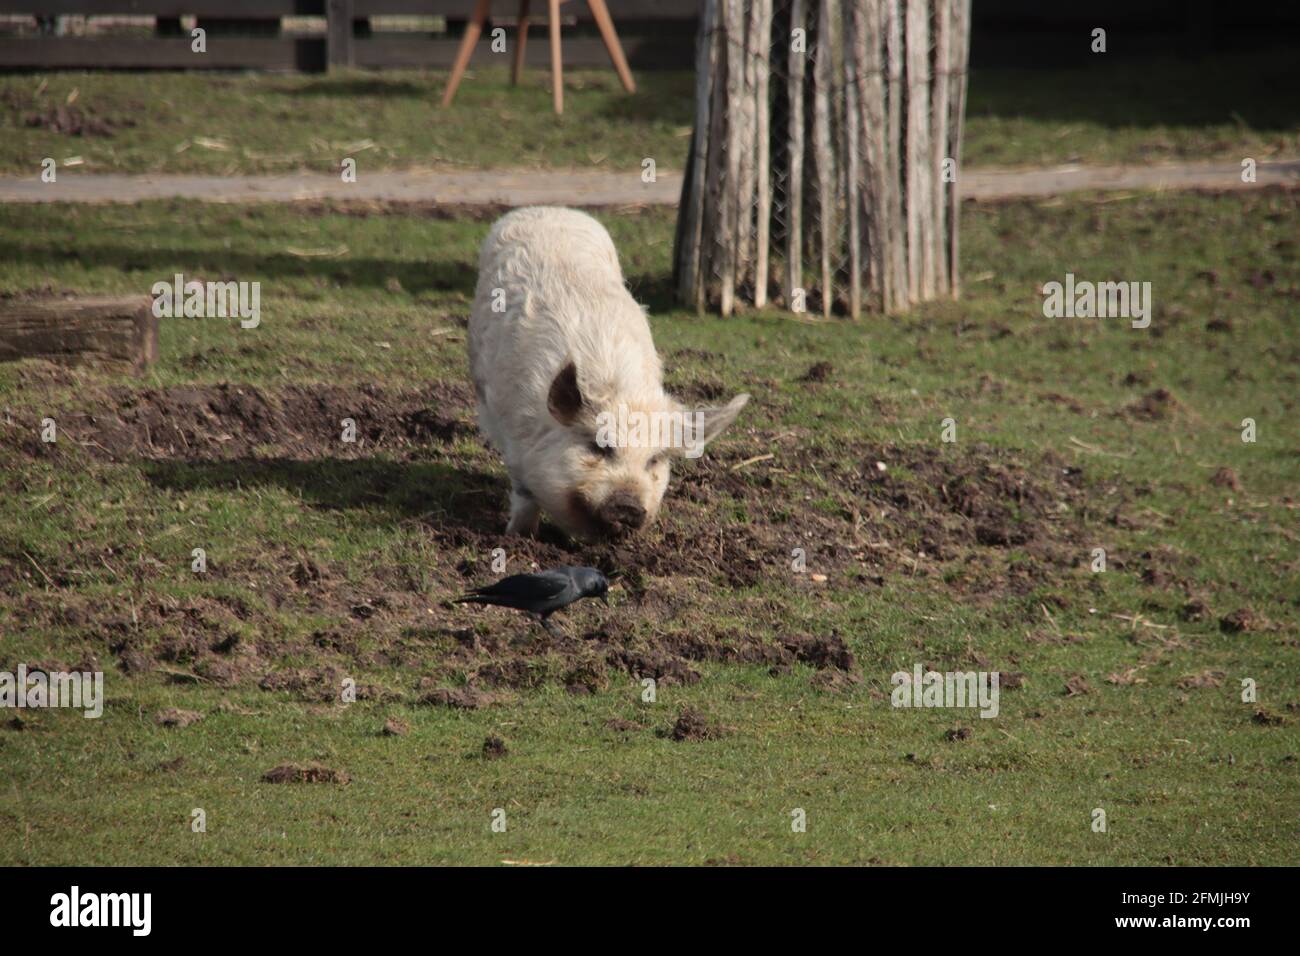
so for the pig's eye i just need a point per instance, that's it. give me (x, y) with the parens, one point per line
(601, 451)
(656, 461)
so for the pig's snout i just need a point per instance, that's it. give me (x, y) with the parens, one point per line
(622, 513)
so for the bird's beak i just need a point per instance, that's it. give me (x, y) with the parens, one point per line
(604, 599)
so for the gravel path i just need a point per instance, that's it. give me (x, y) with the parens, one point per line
(573, 187)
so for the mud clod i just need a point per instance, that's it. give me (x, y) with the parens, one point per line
(1206, 678)
(494, 748)
(1226, 478)
(305, 773)
(1077, 685)
(834, 682)
(1157, 406)
(1239, 621)
(623, 726)
(393, 727)
(73, 121)
(175, 717)
(692, 725)
(818, 372)
(463, 698)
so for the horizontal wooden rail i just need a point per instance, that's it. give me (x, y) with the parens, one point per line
(255, 9)
(309, 53)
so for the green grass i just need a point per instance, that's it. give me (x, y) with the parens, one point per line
(1186, 775)
(1113, 111)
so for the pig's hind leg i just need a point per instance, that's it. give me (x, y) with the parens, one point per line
(524, 512)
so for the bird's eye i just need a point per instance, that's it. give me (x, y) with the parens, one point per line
(601, 451)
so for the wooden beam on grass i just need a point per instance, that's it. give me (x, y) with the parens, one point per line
(119, 331)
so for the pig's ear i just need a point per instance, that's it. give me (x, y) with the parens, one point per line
(717, 419)
(564, 401)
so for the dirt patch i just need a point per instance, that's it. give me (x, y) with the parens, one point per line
(1077, 685)
(1240, 621)
(321, 685)
(305, 773)
(393, 727)
(1157, 406)
(462, 698)
(74, 121)
(1226, 478)
(1266, 718)
(226, 422)
(834, 682)
(692, 725)
(983, 523)
(1206, 678)
(817, 372)
(175, 717)
(623, 726)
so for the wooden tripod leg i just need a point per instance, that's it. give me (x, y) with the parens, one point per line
(473, 30)
(557, 64)
(521, 41)
(607, 33)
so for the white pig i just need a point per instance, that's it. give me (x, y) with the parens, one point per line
(558, 350)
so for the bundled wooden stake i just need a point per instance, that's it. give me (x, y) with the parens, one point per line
(794, 152)
(868, 103)
(763, 148)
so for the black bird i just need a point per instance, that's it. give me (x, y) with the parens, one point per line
(542, 594)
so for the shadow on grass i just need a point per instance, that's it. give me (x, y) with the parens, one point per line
(1255, 91)
(345, 86)
(444, 496)
(161, 262)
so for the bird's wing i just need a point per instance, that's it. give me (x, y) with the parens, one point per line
(527, 588)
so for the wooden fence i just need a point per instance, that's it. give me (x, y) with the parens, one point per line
(824, 156)
(247, 34)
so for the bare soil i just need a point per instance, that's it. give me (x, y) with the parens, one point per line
(980, 522)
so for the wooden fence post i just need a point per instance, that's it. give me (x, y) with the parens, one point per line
(863, 147)
(341, 48)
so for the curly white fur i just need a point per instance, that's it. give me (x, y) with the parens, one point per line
(550, 294)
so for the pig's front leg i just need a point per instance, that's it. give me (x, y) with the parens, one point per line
(524, 512)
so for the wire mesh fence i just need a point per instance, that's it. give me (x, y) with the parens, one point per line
(824, 157)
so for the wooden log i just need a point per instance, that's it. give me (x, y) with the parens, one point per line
(895, 228)
(823, 155)
(868, 63)
(763, 147)
(795, 140)
(690, 218)
(113, 331)
(958, 64)
(920, 255)
(939, 148)
(745, 114)
(854, 187)
(734, 31)
(716, 162)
